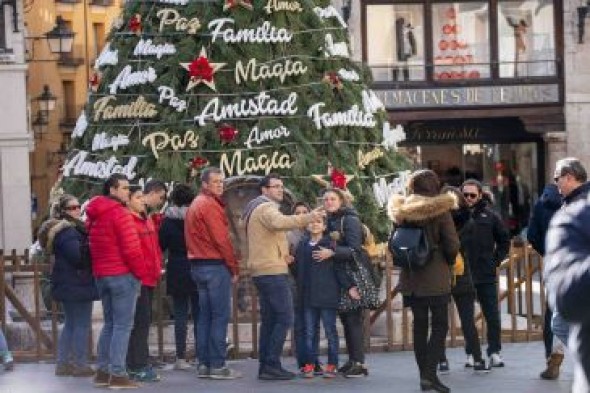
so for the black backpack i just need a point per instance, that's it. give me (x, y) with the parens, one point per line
(410, 247)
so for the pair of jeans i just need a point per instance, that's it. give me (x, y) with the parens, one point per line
(276, 317)
(181, 310)
(560, 327)
(353, 324)
(487, 296)
(138, 351)
(299, 333)
(73, 341)
(429, 350)
(465, 303)
(3, 345)
(118, 295)
(547, 332)
(312, 317)
(214, 286)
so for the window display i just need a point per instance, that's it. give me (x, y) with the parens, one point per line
(460, 33)
(526, 39)
(395, 38)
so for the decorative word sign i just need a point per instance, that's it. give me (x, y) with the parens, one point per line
(107, 57)
(264, 163)
(264, 34)
(335, 49)
(384, 191)
(259, 105)
(173, 2)
(148, 48)
(127, 78)
(138, 109)
(167, 94)
(281, 70)
(78, 166)
(353, 117)
(371, 102)
(103, 141)
(330, 12)
(81, 125)
(282, 5)
(365, 159)
(347, 75)
(391, 137)
(160, 140)
(169, 16)
(256, 136)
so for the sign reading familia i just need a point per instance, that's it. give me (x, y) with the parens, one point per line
(469, 96)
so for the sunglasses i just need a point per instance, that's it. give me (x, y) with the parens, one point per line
(470, 195)
(73, 207)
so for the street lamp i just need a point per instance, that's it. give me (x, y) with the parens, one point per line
(60, 38)
(46, 101)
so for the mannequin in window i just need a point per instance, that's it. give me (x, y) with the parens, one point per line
(406, 47)
(520, 29)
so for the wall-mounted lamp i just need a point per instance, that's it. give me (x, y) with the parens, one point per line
(60, 40)
(582, 14)
(46, 101)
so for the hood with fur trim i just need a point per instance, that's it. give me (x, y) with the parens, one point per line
(49, 229)
(418, 208)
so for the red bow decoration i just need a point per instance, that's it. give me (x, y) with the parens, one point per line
(338, 179)
(333, 79)
(201, 69)
(94, 81)
(196, 164)
(230, 4)
(227, 133)
(135, 24)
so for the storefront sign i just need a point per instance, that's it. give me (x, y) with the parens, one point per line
(469, 96)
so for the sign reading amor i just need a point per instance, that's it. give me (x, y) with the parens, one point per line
(469, 96)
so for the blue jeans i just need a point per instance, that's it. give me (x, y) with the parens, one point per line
(3, 344)
(560, 327)
(214, 285)
(181, 307)
(73, 341)
(118, 295)
(276, 317)
(299, 333)
(312, 316)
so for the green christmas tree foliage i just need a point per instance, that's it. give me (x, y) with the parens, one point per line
(250, 86)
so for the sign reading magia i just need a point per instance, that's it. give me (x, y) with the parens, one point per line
(469, 96)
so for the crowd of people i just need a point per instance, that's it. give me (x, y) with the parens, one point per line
(305, 267)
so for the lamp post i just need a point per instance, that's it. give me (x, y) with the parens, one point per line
(46, 101)
(60, 40)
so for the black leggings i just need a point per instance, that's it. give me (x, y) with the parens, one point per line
(428, 350)
(352, 321)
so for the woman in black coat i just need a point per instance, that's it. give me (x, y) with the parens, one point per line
(72, 283)
(179, 284)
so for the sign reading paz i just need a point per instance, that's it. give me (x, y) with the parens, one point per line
(158, 141)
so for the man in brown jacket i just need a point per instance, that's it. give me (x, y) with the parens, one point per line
(268, 259)
(213, 268)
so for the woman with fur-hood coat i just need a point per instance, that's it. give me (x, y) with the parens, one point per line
(427, 291)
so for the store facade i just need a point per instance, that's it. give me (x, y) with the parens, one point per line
(478, 87)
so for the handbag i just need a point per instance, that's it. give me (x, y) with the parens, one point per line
(359, 269)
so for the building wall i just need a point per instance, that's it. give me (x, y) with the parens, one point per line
(69, 82)
(15, 207)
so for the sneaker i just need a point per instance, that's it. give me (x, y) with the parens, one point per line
(101, 378)
(63, 370)
(496, 360)
(224, 373)
(182, 364)
(202, 371)
(8, 361)
(146, 374)
(356, 370)
(307, 371)
(82, 371)
(318, 369)
(121, 382)
(481, 366)
(330, 371)
(443, 367)
(275, 374)
(469, 362)
(345, 367)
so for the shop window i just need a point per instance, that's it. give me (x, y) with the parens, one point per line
(526, 38)
(461, 45)
(395, 42)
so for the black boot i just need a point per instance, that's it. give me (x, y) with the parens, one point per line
(433, 383)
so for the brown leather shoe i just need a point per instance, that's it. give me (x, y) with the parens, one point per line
(84, 371)
(63, 370)
(101, 379)
(553, 364)
(122, 383)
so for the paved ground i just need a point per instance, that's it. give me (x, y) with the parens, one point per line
(389, 372)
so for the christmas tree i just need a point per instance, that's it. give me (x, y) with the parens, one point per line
(249, 86)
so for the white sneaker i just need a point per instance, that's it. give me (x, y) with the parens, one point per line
(469, 362)
(182, 364)
(496, 360)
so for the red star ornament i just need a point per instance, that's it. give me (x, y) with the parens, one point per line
(333, 80)
(94, 82)
(197, 164)
(227, 133)
(135, 24)
(230, 4)
(201, 70)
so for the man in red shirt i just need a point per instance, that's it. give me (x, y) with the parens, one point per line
(213, 268)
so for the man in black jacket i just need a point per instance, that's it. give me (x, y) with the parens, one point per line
(485, 242)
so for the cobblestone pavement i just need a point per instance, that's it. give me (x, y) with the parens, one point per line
(389, 372)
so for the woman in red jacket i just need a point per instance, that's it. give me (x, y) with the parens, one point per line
(138, 350)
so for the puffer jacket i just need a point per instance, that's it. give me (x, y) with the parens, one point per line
(114, 243)
(432, 214)
(150, 248)
(549, 202)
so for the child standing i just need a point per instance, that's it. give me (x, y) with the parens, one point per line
(320, 285)
(5, 355)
